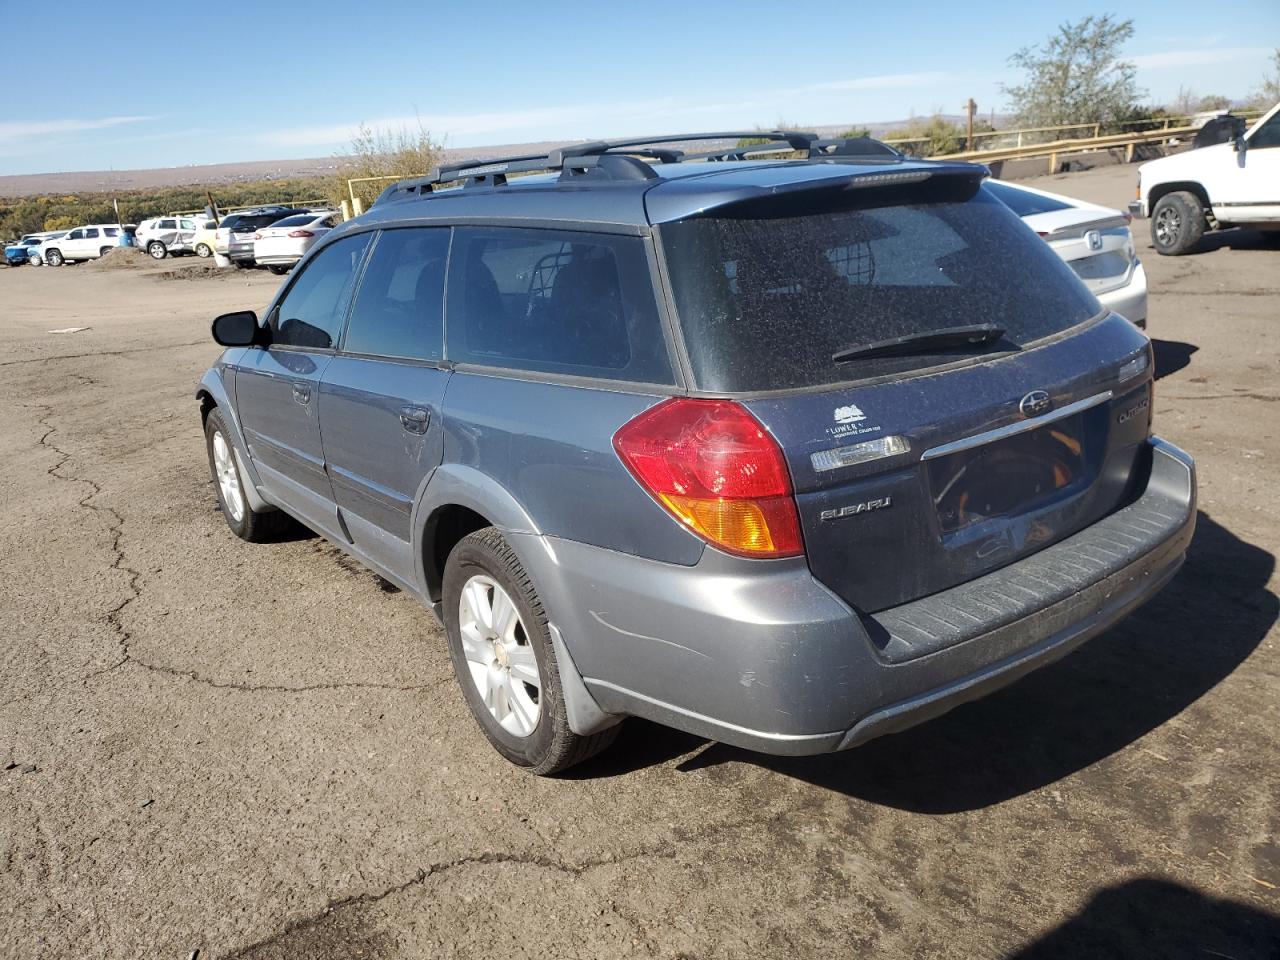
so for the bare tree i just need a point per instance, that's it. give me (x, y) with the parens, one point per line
(402, 154)
(1076, 76)
(1268, 93)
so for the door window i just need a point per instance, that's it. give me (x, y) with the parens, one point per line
(111, 231)
(91, 233)
(557, 302)
(399, 311)
(312, 311)
(165, 225)
(76, 235)
(1267, 135)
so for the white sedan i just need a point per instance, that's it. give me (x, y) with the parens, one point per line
(1094, 241)
(281, 245)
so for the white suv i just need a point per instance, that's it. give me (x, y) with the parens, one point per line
(83, 243)
(1225, 185)
(165, 235)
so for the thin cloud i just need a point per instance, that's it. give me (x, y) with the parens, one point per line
(1192, 58)
(888, 81)
(12, 132)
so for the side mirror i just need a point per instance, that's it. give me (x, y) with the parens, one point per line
(239, 329)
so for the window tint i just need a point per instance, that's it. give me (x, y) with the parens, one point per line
(399, 311)
(555, 302)
(1267, 135)
(166, 225)
(91, 233)
(111, 231)
(1022, 202)
(768, 293)
(296, 220)
(76, 235)
(311, 313)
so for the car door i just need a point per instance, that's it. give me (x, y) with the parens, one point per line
(276, 387)
(381, 396)
(186, 234)
(1253, 190)
(91, 243)
(72, 245)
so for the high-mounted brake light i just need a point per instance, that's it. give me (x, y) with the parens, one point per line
(715, 469)
(301, 233)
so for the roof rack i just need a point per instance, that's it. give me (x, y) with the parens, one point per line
(595, 159)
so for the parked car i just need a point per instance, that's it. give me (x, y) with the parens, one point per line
(785, 453)
(205, 239)
(1229, 184)
(235, 234)
(19, 252)
(281, 245)
(85, 243)
(35, 254)
(1094, 241)
(162, 236)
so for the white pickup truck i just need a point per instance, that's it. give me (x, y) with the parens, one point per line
(1233, 184)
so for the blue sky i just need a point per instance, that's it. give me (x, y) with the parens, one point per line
(147, 84)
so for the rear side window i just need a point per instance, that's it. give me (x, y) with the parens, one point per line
(311, 313)
(768, 294)
(111, 231)
(555, 302)
(166, 225)
(296, 220)
(399, 311)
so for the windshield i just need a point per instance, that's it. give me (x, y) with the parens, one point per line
(770, 293)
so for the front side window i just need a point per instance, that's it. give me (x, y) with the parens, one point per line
(311, 313)
(399, 311)
(555, 302)
(188, 225)
(1267, 135)
(76, 235)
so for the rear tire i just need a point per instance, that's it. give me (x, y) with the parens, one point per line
(203, 251)
(1177, 223)
(245, 522)
(277, 269)
(157, 250)
(103, 251)
(521, 707)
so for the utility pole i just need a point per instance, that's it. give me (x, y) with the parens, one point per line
(970, 107)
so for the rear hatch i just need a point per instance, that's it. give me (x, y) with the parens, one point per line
(922, 464)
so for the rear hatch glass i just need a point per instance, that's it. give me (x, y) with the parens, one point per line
(823, 272)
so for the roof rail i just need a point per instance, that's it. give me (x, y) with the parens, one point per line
(572, 160)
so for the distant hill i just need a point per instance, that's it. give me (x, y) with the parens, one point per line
(255, 171)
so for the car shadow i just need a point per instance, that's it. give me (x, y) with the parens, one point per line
(1054, 722)
(1154, 918)
(1171, 356)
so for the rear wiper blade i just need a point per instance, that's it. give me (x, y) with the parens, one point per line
(977, 334)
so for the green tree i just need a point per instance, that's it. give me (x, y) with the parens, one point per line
(1076, 75)
(853, 133)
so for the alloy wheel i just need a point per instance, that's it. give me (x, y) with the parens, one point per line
(499, 656)
(1168, 226)
(228, 479)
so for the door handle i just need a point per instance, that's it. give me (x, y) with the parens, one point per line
(301, 393)
(415, 419)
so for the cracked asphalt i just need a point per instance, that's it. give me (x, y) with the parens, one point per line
(260, 752)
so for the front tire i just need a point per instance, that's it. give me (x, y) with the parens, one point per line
(157, 250)
(1177, 223)
(504, 659)
(203, 251)
(245, 522)
(277, 269)
(54, 258)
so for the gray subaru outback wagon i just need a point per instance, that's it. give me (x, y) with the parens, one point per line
(788, 446)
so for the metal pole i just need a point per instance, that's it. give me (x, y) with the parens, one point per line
(970, 107)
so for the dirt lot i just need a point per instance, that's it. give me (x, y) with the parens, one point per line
(259, 751)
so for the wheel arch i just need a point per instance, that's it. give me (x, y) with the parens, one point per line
(212, 394)
(1176, 186)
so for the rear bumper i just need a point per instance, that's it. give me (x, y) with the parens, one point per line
(761, 655)
(1130, 301)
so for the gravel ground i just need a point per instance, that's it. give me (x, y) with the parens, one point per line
(259, 751)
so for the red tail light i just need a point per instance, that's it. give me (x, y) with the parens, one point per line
(301, 233)
(715, 469)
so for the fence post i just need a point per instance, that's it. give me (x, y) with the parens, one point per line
(357, 206)
(1019, 139)
(346, 210)
(1053, 163)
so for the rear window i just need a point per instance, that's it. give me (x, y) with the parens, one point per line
(1022, 202)
(296, 220)
(555, 302)
(768, 293)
